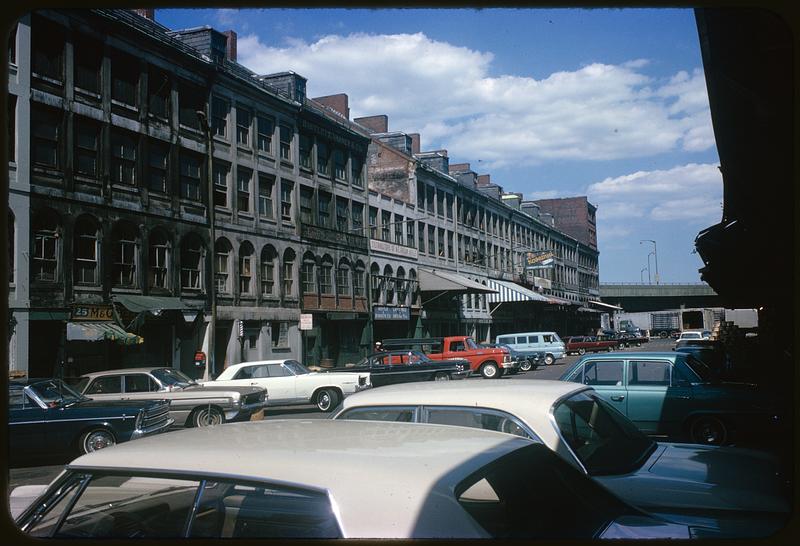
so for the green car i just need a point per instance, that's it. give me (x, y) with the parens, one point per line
(675, 395)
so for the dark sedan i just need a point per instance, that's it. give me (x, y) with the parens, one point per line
(391, 367)
(48, 419)
(525, 362)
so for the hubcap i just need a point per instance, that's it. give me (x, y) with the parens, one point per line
(489, 371)
(98, 440)
(324, 401)
(442, 377)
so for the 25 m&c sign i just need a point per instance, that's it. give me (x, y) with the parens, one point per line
(92, 312)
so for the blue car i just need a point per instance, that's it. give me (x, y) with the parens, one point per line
(47, 419)
(675, 395)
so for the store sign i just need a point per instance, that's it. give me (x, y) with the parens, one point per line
(380, 312)
(92, 312)
(540, 259)
(341, 316)
(306, 321)
(377, 245)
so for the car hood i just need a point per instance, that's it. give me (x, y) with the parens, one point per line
(215, 390)
(688, 476)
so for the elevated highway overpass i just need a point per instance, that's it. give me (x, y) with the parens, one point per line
(655, 297)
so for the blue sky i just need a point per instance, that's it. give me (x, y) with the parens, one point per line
(607, 103)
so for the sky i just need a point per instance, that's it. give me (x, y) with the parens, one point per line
(607, 103)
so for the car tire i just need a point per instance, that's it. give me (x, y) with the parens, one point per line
(490, 370)
(549, 360)
(326, 400)
(581, 351)
(207, 416)
(525, 366)
(708, 430)
(95, 439)
(663, 335)
(441, 376)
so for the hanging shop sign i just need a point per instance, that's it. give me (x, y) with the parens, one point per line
(91, 312)
(380, 312)
(539, 259)
(306, 321)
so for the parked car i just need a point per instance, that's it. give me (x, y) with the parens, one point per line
(490, 363)
(727, 367)
(674, 394)
(46, 418)
(527, 361)
(289, 382)
(583, 344)
(631, 338)
(694, 334)
(529, 342)
(388, 367)
(312, 479)
(735, 491)
(191, 404)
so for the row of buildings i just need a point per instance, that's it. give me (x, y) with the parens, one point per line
(156, 186)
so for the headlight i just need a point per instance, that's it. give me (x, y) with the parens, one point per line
(506, 357)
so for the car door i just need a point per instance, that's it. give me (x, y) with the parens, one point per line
(138, 386)
(283, 383)
(657, 399)
(607, 377)
(27, 424)
(105, 387)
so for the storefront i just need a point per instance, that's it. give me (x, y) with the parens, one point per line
(336, 338)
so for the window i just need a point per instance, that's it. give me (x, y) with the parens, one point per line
(449, 206)
(324, 209)
(323, 158)
(286, 142)
(398, 229)
(410, 233)
(12, 128)
(221, 172)
(649, 373)
(190, 100)
(429, 197)
(358, 280)
(243, 120)
(325, 272)
(373, 222)
(420, 195)
(402, 287)
(266, 128)
(222, 266)
(159, 260)
(124, 79)
(220, 110)
(45, 247)
(440, 202)
(244, 178)
(12, 44)
(357, 171)
(157, 173)
(602, 372)
(305, 143)
(88, 56)
(386, 221)
(286, 200)
(123, 158)
(431, 240)
(246, 269)
(191, 263)
(45, 137)
(343, 280)
(340, 164)
(421, 237)
(268, 256)
(342, 213)
(399, 415)
(47, 45)
(140, 383)
(306, 205)
(190, 176)
(159, 88)
(376, 282)
(288, 272)
(87, 141)
(307, 279)
(86, 252)
(441, 242)
(11, 239)
(358, 218)
(450, 236)
(111, 384)
(125, 253)
(280, 337)
(478, 418)
(265, 206)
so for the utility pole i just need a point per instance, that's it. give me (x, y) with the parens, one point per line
(212, 286)
(655, 253)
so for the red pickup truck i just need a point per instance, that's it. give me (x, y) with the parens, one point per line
(582, 344)
(489, 362)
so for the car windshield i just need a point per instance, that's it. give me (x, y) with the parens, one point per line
(55, 391)
(172, 378)
(699, 367)
(296, 368)
(470, 343)
(604, 440)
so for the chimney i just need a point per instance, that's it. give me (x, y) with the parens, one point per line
(484, 179)
(230, 46)
(147, 13)
(338, 103)
(376, 124)
(459, 168)
(414, 143)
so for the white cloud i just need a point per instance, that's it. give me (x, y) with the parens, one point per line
(595, 112)
(544, 194)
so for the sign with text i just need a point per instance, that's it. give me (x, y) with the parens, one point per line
(92, 312)
(306, 321)
(539, 259)
(380, 312)
(392, 248)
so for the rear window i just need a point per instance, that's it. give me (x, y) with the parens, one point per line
(397, 414)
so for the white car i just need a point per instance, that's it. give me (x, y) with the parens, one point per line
(739, 492)
(312, 479)
(289, 382)
(693, 334)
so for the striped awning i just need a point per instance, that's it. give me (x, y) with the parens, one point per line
(99, 331)
(436, 280)
(508, 291)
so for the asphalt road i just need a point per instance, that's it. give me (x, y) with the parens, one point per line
(37, 475)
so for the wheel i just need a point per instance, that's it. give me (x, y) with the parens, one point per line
(662, 335)
(623, 345)
(441, 376)
(525, 366)
(609, 349)
(207, 416)
(490, 370)
(327, 399)
(548, 360)
(95, 439)
(708, 430)
(581, 351)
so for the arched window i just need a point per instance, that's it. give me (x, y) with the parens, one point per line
(376, 282)
(125, 254)
(343, 279)
(159, 260)
(388, 276)
(268, 256)
(358, 279)
(223, 256)
(326, 275)
(192, 252)
(412, 286)
(402, 287)
(246, 284)
(87, 250)
(288, 272)
(307, 279)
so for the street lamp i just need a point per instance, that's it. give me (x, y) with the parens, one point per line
(212, 286)
(641, 274)
(655, 253)
(648, 268)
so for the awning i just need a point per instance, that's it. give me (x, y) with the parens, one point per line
(510, 291)
(555, 300)
(587, 310)
(432, 280)
(155, 304)
(99, 331)
(601, 304)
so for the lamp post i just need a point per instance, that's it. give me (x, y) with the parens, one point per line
(212, 287)
(641, 274)
(649, 280)
(655, 253)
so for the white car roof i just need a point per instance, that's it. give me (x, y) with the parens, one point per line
(392, 480)
(528, 400)
(145, 369)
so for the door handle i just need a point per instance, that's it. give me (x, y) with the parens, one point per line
(618, 397)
